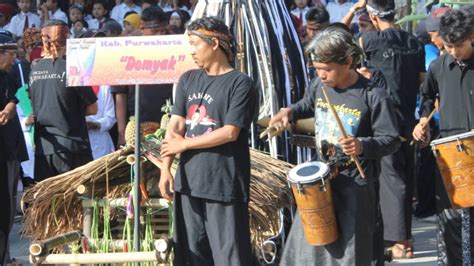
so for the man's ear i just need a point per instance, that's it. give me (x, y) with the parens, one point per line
(215, 43)
(349, 61)
(374, 19)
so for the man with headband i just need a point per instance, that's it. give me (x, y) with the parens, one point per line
(209, 127)
(368, 116)
(61, 137)
(400, 58)
(8, 103)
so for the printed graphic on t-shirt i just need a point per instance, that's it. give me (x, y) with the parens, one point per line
(198, 121)
(328, 133)
(46, 75)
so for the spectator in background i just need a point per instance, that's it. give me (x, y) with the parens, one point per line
(111, 28)
(131, 25)
(50, 11)
(317, 19)
(300, 10)
(99, 11)
(178, 19)
(76, 13)
(6, 12)
(98, 125)
(24, 19)
(119, 11)
(78, 28)
(148, 3)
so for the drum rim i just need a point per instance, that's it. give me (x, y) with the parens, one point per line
(452, 138)
(296, 168)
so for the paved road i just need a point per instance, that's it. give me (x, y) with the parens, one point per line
(423, 233)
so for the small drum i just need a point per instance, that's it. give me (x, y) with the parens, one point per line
(312, 190)
(455, 159)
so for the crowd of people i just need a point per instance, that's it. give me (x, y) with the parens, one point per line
(355, 53)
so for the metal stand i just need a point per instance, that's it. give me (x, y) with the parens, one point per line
(136, 185)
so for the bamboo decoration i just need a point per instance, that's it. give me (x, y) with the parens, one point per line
(41, 248)
(343, 131)
(98, 258)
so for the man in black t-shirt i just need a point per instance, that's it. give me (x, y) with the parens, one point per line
(400, 58)
(451, 76)
(209, 127)
(368, 116)
(152, 97)
(61, 138)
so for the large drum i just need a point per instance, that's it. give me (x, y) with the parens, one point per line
(312, 190)
(455, 159)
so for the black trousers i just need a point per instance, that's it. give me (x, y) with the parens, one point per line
(396, 193)
(209, 232)
(54, 164)
(449, 228)
(5, 211)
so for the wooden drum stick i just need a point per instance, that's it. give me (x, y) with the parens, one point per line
(343, 131)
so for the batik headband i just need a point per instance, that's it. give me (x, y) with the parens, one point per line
(54, 38)
(224, 40)
(379, 13)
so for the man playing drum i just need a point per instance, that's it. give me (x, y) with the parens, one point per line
(368, 117)
(452, 77)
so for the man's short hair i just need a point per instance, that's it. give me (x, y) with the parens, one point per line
(318, 14)
(334, 45)
(456, 25)
(384, 9)
(210, 24)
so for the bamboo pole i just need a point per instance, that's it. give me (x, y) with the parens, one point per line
(96, 258)
(343, 131)
(39, 248)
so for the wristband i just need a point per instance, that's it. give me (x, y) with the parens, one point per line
(352, 10)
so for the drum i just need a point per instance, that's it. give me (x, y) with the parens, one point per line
(312, 190)
(455, 159)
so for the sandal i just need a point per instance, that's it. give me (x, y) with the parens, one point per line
(406, 253)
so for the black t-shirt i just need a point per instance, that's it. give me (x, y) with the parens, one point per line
(220, 173)
(454, 82)
(401, 58)
(365, 112)
(59, 111)
(153, 97)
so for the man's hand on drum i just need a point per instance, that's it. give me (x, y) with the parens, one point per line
(351, 145)
(281, 119)
(421, 132)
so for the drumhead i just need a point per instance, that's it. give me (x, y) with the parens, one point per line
(453, 138)
(308, 172)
